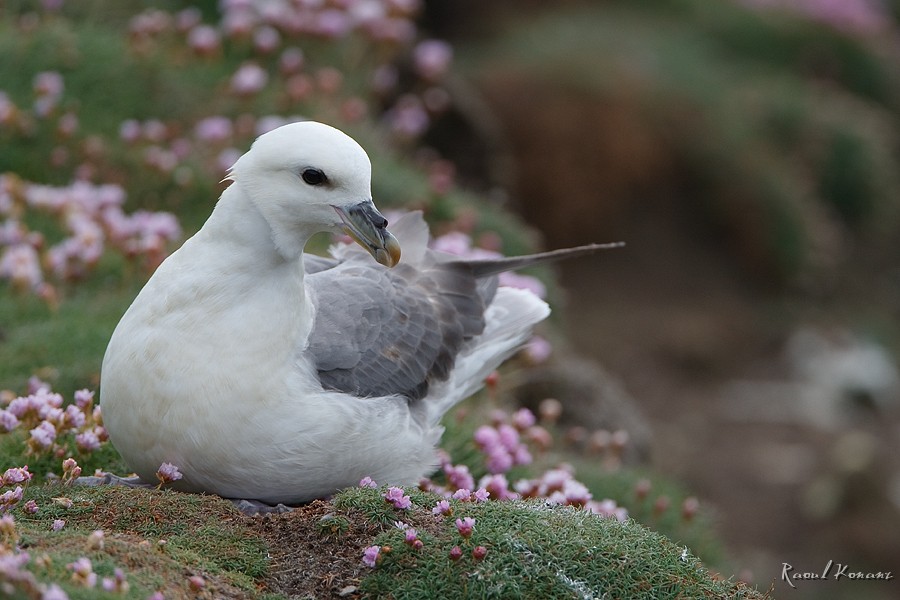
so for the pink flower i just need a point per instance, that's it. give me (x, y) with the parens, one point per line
(249, 79)
(432, 58)
(395, 496)
(481, 495)
(540, 437)
(266, 39)
(204, 40)
(331, 23)
(508, 437)
(71, 470)
(291, 60)
(8, 527)
(523, 418)
(10, 498)
(8, 421)
(462, 494)
(22, 266)
(154, 130)
(87, 441)
(538, 349)
(168, 473)
(486, 437)
(83, 572)
(48, 83)
(384, 79)
(84, 398)
(30, 507)
(479, 552)
(689, 508)
(576, 493)
(498, 460)
(116, 583)
(442, 508)
(410, 536)
(455, 553)
(130, 131)
(54, 592)
(465, 526)
(459, 476)
(57, 524)
(367, 482)
(96, 540)
(16, 475)
(214, 129)
(498, 486)
(187, 18)
(408, 118)
(609, 509)
(44, 434)
(73, 418)
(371, 556)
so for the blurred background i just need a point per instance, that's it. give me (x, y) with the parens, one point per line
(746, 151)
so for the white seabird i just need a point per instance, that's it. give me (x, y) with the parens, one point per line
(265, 374)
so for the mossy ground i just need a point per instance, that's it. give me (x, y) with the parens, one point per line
(160, 538)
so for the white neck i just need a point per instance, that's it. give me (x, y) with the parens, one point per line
(241, 261)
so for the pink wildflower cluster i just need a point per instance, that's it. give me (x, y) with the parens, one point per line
(94, 220)
(13, 477)
(49, 424)
(502, 443)
(559, 486)
(83, 572)
(14, 571)
(273, 32)
(852, 16)
(398, 498)
(71, 471)
(16, 578)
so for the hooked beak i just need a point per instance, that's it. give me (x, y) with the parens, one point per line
(368, 228)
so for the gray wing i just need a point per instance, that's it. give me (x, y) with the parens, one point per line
(313, 263)
(379, 332)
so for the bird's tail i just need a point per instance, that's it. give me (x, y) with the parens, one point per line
(493, 266)
(509, 321)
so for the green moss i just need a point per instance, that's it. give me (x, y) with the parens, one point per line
(156, 537)
(533, 551)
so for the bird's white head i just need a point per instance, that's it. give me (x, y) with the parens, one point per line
(309, 177)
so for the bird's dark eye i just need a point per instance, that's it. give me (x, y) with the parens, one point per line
(313, 176)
